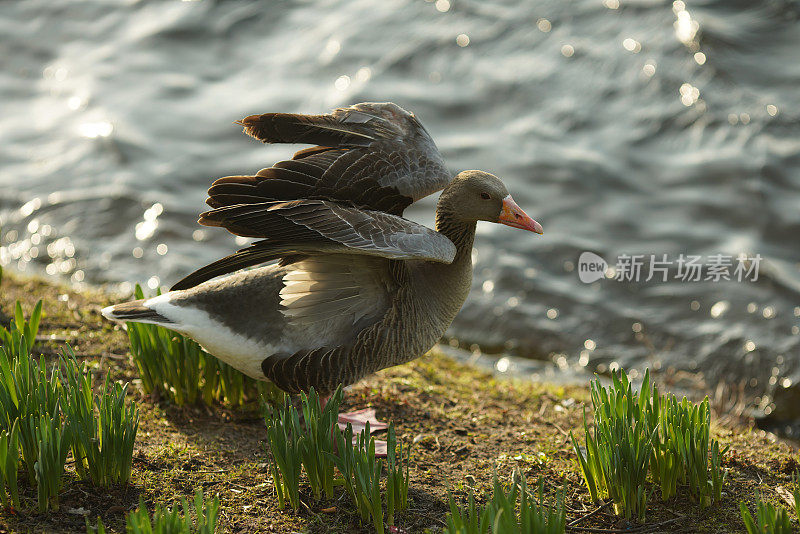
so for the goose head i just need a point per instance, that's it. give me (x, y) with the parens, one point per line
(479, 196)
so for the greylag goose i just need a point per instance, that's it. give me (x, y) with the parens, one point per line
(352, 286)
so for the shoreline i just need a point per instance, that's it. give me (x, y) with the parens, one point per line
(736, 401)
(464, 424)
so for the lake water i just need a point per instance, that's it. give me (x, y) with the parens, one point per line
(625, 127)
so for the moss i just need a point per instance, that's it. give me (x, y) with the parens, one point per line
(464, 425)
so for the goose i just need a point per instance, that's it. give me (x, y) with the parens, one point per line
(345, 286)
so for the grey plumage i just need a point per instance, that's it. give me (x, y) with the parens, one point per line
(357, 288)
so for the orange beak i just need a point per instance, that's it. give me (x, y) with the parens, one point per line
(512, 215)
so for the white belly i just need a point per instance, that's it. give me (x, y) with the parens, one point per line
(233, 348)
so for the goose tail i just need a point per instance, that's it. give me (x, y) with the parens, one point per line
(136, 311)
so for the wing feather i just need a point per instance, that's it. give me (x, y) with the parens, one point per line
(315, 227)
(353, 287)
(343, 196)
(373, 155)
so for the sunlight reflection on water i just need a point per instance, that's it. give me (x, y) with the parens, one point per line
(643, 128)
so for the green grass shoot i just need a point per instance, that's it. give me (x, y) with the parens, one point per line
(367, 474)
(470, 520)
(170, 520)
(45, 412)
(618, 449)
(103, 426)
(318, 438)
(9, 464)
(283, 438)
(361, 472)
(637, 433)
(30, 395)
(27, 393)
(500, 513)
(19, 337)
(53, 448)
(769, 519)
(685, 453)
(361, 475)
(318, 447)
(396, 480)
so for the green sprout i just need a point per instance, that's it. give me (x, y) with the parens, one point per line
(283, 438)
(361, 474)
(44, 413)
(684, 451)
(500, 515)
(769, 519)
(646, 432)
(170, 520)
(317, 439)
(27, 393)
(103, 427)
(471, 520)
(396, 480)
(53, 447)
(19, 337)
(319, 447)
(9, 464)
(617, 453)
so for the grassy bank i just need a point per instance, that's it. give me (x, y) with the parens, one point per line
(463, 425)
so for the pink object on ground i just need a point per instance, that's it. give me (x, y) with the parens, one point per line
(358, 420)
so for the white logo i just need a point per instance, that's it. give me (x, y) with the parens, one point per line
(591, 267)
(659, 267)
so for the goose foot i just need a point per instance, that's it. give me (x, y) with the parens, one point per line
(358, 420)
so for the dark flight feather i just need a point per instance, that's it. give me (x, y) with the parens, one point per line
(371, 156)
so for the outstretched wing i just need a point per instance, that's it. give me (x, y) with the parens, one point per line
(315, 227)
(375, 156)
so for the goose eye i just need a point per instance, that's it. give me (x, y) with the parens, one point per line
(485, 196)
